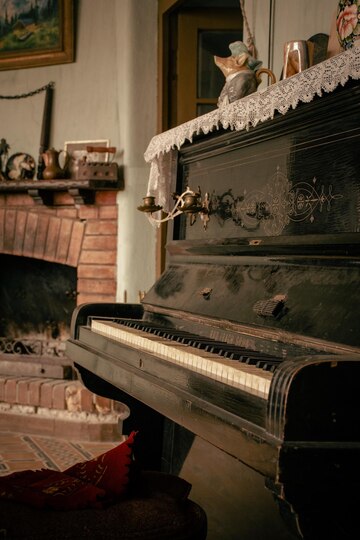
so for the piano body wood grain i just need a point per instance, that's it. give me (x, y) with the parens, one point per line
(281, 257)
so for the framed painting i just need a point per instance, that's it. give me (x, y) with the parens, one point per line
(36, 33)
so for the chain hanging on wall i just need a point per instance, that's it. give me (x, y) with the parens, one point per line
(45, 128)
(32, 93)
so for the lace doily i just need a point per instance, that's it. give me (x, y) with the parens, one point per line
(246, 112)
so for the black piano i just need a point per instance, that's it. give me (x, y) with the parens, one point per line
(241, 365)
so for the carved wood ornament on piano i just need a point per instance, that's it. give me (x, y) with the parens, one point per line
(241, 364)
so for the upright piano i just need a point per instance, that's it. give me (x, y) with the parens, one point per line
(241, 366)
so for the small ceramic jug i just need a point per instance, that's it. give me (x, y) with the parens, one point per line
(53, 170)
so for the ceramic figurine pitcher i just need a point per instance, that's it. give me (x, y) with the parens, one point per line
(53, 170)
(242, 73)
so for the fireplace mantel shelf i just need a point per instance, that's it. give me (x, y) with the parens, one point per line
(42, 191)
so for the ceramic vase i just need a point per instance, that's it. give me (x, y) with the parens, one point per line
(348, 23)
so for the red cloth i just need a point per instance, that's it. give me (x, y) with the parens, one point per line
(90, 484)
(51, 489)
(109, 471)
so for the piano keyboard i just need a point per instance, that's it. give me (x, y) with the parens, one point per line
(235, 366)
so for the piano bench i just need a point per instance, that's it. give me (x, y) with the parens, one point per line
(157, 508)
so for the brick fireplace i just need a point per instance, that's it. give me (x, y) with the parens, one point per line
(83, 236)
(71, 226)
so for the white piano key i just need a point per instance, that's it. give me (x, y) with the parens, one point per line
(230, 372)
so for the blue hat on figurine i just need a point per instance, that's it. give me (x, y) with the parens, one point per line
(239, 47)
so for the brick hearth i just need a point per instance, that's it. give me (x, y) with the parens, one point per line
(58, 408)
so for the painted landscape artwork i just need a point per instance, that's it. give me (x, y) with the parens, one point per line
(29, 25)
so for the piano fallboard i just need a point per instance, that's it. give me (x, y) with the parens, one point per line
(282, 288)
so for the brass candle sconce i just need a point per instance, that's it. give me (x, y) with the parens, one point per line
(189, 203)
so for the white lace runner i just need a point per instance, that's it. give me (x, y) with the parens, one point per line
(246, 112)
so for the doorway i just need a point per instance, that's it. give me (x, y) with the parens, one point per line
(191, 32)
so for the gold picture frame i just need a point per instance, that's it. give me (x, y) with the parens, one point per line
(34, 37)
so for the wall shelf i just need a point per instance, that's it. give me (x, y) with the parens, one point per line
(42, 191)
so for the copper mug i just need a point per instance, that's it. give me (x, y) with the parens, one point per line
(297, 57)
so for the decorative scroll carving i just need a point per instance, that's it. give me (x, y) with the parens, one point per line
(274, 206)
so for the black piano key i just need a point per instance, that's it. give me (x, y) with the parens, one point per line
(205, 344)
(269, 365)
(232, 352)
(260, 360)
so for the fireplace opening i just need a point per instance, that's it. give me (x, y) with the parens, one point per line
(37, 299)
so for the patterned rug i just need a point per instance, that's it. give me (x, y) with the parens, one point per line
(20, 452)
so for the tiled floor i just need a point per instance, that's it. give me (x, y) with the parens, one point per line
(21, 452)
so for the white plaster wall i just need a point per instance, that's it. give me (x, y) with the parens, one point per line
(109, 92)
(137, 49)
(274, 22)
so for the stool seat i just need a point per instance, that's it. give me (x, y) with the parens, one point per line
(156, 508)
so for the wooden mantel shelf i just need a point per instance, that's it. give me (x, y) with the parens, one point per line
(42, 191)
